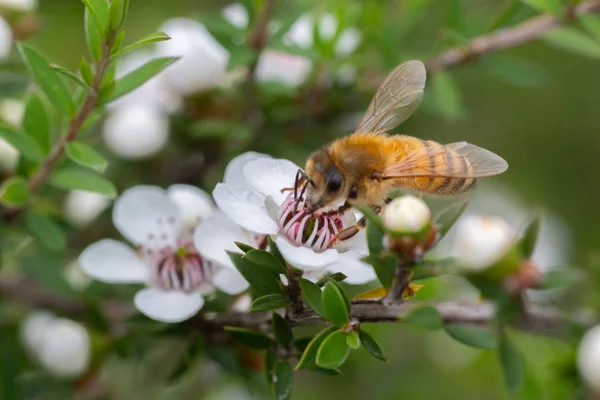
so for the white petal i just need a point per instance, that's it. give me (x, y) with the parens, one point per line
(269, 176)
(301, 32)
(215, 235)
(357, 243)
(194, 203)
(171, 306)
(277, 66)
(245, 208)
(230, 281)
(65, 351)
(32, 329)
(12, 110)
(234, 173)
(143, 211)
(9, 156)
(82, 207)
(357, 271)
(236, 15)
(305, 258)
(6, 39)
(19, 5)
(347, 42)
(113, 262)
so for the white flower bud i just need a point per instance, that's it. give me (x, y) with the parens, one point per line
(33, 328)
(78, 279)
(19, 5)
(406, 214)
(136, 131)
(82, 207)
(481, 241)
(9, 156)
(588, 359)
(236, 15)
(12, 111)
(6, 39)
(277, 66)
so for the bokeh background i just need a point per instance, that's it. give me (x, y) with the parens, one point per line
(535, 105)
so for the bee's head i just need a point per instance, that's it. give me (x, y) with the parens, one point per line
(326, 183)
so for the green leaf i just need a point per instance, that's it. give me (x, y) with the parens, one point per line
(214, 128)
(240, 56)
(284, 381)
(471, 336)
(118, 12)
(371, 345)
(93, 34)
(44, 270)
(248, 337)
(75, 179)
(36, 121)
(512, 363)
(310, 353)
(338, 277)
(374, 238)
(574, 41)
(427, 318)
(312, 294)
(561, 278)
(117, 43)
(134, 79)
(516, 71)
(282, 330)
(545, 6)
(353, 340)
(14, 192)
(275, 250)
(448, 217)
(269, 302)
(447, 97)
(370, 215)
(333, 351)
(384, 266)
(528, 241)
(266, 260)
(46, 231)
(244, 247)
(91, 7)
(21, 141)
(65, 72)
(261, 280)
(49, 82)
(334, 305)
(591, 23)
(86, 72)
(152, 38)
(84, 155)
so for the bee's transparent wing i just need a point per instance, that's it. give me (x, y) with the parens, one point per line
(454, 160)
(396, 99)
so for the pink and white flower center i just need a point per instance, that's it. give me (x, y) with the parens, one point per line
(307, 229)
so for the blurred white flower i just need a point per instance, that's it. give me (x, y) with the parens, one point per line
(82, 207)
(406, 214)
(177, 275)
(6, 39)
(59, 345)
(12, 111)
(277, 66)
(204, 60)
(136, 131)
(19, 5)
(242, 303)
(481, 241)
(9, 156)
(78, 279)
(588, 359)
(236, 15)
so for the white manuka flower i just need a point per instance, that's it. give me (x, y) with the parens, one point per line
(19, 5)
(177, 275)
(81, 207)
(6, 39)
(588, 359)
(252, 197)
(278, 66)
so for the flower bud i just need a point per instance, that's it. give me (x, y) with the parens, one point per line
(82, 207)
(482, 241)
(12, 111)
(406, 215)
(19, 5)
(588, 359)
(6, 39)
(9, 156)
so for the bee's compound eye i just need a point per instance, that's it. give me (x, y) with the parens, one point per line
(334, 183)
(353, 193)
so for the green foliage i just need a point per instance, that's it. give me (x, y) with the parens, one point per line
(269, 302)
(262, 280)
(14, 192)
(46, 231)
(517, 71)
(74, 78)
(152, 38)
(353, 340)
(248, 337)
(86, 156)
(312, 295)
(530, 236)
(448, 217)
(333, 351)
(573, 40)
(472, 336)
(21, 141)
(310, 352)
(427, 318)
(266, 260)
(86, 72)
(374, 237)
(545, 6)
(36, 121)
(512, 364)
(335, 306)
(446, 96)
(282, 386)
(118, 12)
(282, 330)
(371, 345)
(384, 266)
(76, 179)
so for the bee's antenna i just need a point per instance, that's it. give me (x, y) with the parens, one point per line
(301, 176)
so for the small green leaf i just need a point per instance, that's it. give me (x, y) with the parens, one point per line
(118, 12)
(528, 241)
(371, 345)
(244, 247)
(370, 215)
(447, 97)
(75, 179)
(338, 277)
(93, 10)
(49, 82)
(65, 72)
(516, 71)
(14, 192)
(36, 121)
(46, 231)
(152, 38)
(472, 336)
(266, 260)
(449, 216)
(21, 141)
(374, 238)
(269, 302)
(333, 351)
(427, 318)
(240, 56)
(334, 305)
(512, 363)
(248, 337)
(284, 381)
(573, 40)
(561, 277)
(591, 23)
(312, 294)
(134, 79)
(384, 266)
(270, 361)
(310, 353)
(117, 43)
(261, 280)
(275, 250)
(282, 330)
(93, 34)
(84, 155)
(545, 6)
(86, 72)
(42, 269)
(353, 340)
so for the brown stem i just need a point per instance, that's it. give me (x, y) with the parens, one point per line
(399, 285)
(511, 37)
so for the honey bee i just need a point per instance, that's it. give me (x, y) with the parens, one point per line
(366, 166)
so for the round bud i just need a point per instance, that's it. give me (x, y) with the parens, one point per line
(406, 215)
(482, 241)
(588, 359)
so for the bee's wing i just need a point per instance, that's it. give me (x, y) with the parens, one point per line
(396, 99)
(448, 161)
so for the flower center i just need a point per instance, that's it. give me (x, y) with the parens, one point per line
(307, 229)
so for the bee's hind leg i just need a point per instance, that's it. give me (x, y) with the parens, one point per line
(349, 232)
